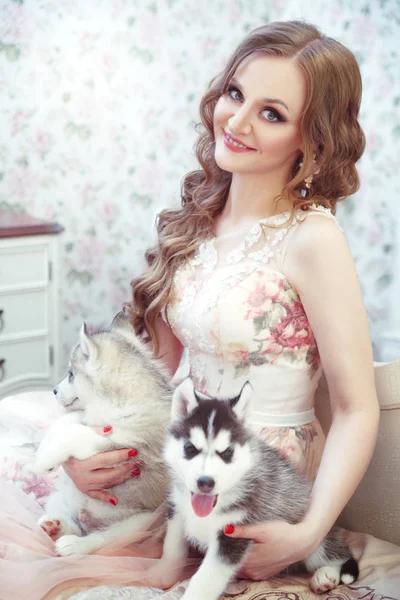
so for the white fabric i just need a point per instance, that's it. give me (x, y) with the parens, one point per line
(235, 311)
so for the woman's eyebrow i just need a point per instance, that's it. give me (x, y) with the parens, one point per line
(234, 81)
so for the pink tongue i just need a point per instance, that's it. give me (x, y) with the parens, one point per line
(202, 504)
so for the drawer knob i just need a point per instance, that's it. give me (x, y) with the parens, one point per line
(2, 368)
(1, 319)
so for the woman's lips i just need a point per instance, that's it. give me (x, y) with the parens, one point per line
(235, 148)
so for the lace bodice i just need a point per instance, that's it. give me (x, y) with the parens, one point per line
(241, 320)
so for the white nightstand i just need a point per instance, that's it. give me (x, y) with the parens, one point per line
(30, 303)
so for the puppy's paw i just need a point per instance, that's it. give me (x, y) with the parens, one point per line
(44, 463)
(325, 579)
(55, 528)
(68, 545)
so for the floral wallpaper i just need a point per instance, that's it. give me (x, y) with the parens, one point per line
(99, 102)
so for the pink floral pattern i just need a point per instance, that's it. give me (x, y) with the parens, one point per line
(23, 424)
(240, 319)
(280, 325)
(303, 446)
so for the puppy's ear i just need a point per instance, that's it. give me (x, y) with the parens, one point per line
(241, 405)
(88, 345)
(121, 321)
(184, 399)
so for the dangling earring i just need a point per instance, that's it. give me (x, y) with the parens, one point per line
(308, 180)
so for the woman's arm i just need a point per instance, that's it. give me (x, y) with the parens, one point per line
(171, 349)
(321, 268)
(319, 265)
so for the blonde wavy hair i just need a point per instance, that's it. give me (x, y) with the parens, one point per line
(330, 131)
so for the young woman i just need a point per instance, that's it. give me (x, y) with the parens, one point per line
(253, 275)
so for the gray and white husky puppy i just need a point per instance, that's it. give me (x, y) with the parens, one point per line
(113, 380)
(222, 473)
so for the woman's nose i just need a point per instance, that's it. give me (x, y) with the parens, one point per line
(239, 123)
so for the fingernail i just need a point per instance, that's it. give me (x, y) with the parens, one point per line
(114, 502)
(135, 472)
(107, 429)
(229, 529)
(132, 452)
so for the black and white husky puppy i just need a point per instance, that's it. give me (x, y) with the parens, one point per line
(222, 473)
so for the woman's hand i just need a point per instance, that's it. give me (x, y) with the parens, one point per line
(277, 544)
(93, 474)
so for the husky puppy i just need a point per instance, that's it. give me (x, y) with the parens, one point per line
(222, 473)
(113, 380)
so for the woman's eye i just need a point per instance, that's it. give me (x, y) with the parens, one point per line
(190, 450)
(275, 116)
(233, 89)
(226, 455)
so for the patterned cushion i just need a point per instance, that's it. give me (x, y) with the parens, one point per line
(374, 507)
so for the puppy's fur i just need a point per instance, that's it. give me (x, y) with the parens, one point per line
(222, 473)
(113, 380)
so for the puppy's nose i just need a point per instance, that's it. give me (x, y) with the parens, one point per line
(205, 484)
(55, 391)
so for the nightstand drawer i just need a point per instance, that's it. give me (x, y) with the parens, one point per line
(24, 312)
(25, 265)
(24, 358)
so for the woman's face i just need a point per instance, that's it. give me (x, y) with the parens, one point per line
(261, 109)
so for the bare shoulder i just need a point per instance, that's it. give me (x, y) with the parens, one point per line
(316, 235)
(317, 245)
(316, 227)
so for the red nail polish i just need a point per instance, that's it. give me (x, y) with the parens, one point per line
(132, 452)
(135, 472)
(107, 429)
(114, 502)
(229, 529)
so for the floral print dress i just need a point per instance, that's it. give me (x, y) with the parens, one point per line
(241, 320)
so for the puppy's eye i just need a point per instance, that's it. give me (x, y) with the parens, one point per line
(70, 375)
(190, 450)
(226, 455)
